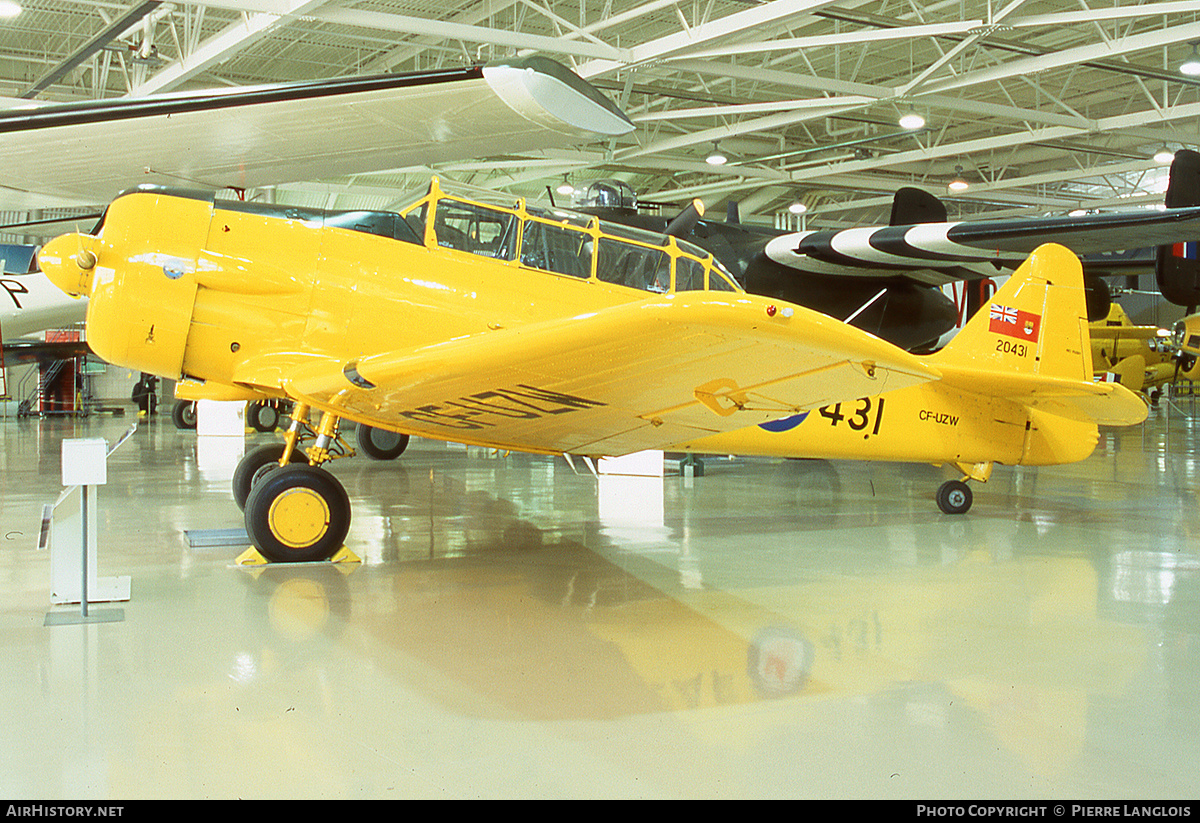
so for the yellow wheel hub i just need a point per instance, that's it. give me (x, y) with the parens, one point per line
(298, 518)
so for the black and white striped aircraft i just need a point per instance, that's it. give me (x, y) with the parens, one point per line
(889, 279)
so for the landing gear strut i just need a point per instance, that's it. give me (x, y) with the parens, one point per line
(295, 513)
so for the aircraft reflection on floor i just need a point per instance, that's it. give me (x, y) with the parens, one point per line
(955, 625)
(757, 619)
(625, 600)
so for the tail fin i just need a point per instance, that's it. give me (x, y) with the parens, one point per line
(1177, 267)
(911, 205)
(1036, 324)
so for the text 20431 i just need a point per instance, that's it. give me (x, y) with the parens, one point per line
(1012, 347)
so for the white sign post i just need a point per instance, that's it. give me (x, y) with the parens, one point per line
(73, 564)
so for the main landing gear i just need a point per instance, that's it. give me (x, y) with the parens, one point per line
(295, 511)
(954, 496)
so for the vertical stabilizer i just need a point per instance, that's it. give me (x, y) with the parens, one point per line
(1177, 267)
(1035, 324)
(911, 206)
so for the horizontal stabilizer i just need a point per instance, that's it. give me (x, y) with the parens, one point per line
(1106, 404)
(1031, 344)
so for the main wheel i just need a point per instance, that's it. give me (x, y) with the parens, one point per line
(298, 514)
(184, 414)
(954, 497)
(256, 463)
(380, 444)
(262, 416)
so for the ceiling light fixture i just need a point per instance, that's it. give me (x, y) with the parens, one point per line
(912, 121)
(565, 188)
(958, 183)
(797, 207)
(1164, 156)
(1191, 66)
(716, 157)
(9, 8)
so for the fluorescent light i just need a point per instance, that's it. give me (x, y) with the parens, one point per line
(912, 121)
(9, 8)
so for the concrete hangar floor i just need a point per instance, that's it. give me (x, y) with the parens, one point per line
(770, 629)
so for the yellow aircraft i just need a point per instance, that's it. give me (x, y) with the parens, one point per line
(1140, 357)
(1185, 338)
(550, 332)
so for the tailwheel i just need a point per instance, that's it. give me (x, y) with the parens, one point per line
(954, 497)
(297, 514)
(255, 464)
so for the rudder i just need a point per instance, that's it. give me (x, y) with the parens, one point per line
(1035, 324)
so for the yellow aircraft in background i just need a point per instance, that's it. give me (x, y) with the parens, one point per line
(1185, 337)
(1140, 357)
(552, 332)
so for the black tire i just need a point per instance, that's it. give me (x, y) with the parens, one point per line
(183, 415)
(380, 444)
(254, 465)
(954, 497)
(298, 514)
(263, 416)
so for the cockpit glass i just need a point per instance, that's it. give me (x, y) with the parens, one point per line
(637, 267)
(476, 229)
(556, 248)
(689, 274)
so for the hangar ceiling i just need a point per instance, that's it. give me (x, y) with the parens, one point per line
(1040, 105)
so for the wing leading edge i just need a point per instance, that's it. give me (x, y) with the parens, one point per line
(241, 138)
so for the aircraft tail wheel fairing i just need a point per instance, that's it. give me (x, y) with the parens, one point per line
(256, 463)
(954, 497)
(380, 444)
(298, 514)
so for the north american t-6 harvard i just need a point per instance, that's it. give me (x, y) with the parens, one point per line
(492, 322)
(552, 332)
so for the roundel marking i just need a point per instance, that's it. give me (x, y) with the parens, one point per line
(785, 423)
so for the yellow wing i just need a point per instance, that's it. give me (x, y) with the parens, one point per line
(636, 376)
